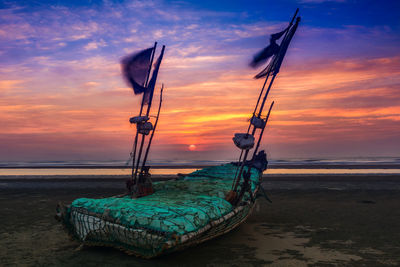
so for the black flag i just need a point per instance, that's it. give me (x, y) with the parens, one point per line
(284, 46)
(276, 62)
(135, 68)
(148, 95)
(270, 50)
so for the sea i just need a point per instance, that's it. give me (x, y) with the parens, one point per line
(338, 166)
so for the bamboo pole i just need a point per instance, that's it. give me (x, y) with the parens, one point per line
(258, 100)
(238, 177)
(147, 114)
(273, 77)
(294, 16)
(151, 63)
(139, 156)
(263, 87)
(151, 94)
(262, 131)
(152, 134)
(266, 96)
(247, 175)
(133, 176)
(248, 129)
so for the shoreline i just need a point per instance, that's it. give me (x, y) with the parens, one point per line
(270, 166)
(269, 182)
(163, 177)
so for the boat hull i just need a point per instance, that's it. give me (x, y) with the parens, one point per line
(94, 228)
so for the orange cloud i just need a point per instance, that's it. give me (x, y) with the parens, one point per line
(6, 85)
(316, 103)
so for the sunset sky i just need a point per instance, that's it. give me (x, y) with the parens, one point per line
(62, 96)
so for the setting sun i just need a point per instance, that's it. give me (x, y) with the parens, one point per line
(192, 147)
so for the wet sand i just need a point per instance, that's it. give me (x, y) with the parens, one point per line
(311, 222)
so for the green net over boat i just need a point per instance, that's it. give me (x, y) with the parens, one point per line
(176, 210)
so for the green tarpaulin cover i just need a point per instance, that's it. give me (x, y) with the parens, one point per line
(178, 207)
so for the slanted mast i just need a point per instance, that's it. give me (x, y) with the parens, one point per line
(136, 70)
(273, 54)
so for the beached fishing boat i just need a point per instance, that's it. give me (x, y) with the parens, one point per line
(156, 218)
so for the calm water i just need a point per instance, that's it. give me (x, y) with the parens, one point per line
(390, 165)
(395, 161)
(167, 171)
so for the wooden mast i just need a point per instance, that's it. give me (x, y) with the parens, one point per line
(152, 134)
(262, 90)
(133, 176)
(242, 162)
(238, 177)
(143, 136)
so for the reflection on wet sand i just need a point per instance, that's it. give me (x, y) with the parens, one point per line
(289, 248)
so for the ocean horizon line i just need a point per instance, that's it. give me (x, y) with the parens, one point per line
(362, 163)
(270, 166)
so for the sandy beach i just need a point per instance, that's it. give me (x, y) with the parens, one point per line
(313, 221)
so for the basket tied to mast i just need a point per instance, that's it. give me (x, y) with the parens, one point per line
(257, 122)
(243, 140)
(139, 119)
(144, 128)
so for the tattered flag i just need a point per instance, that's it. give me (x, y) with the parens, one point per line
(284, 46)
(265, 54)
(148, 95)
(277, 59)
(135, 68)
(278, 35)
(269, 51)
